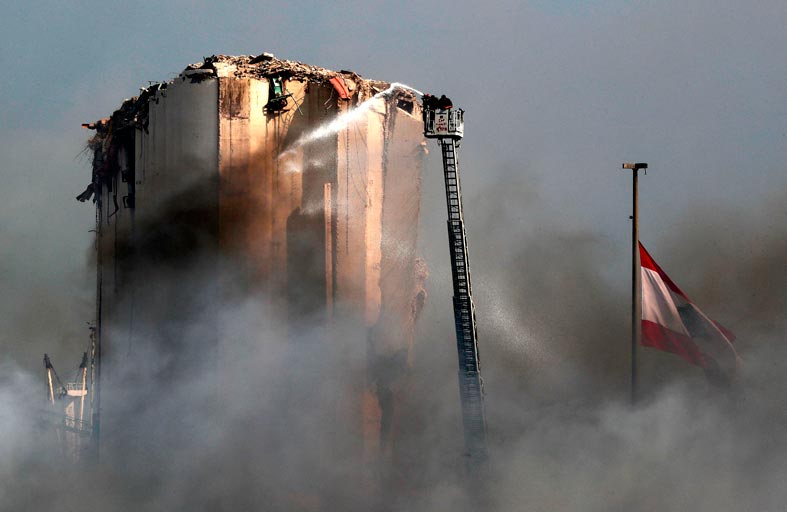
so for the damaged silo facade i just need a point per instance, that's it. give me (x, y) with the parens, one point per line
(244, 183)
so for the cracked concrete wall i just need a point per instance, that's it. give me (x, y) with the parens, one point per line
(170, 170)
(327, 231)
(282, 206)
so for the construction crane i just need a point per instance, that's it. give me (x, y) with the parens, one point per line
(53, 393)
(68, 409)
(446, 124)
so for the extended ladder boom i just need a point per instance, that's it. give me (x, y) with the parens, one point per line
(443, 122)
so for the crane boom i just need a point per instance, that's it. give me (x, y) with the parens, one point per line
(446, 124)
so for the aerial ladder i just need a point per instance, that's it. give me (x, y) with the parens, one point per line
(446, 124)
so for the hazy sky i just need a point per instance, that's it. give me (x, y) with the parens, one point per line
(557, 95)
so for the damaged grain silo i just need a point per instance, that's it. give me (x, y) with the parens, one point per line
(264, 189)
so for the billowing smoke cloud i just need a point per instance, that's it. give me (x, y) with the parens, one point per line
(252, 423)
(565, 436)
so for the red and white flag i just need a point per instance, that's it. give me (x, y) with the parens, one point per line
(672, 323)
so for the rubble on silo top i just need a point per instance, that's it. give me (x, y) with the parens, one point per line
(266, 65)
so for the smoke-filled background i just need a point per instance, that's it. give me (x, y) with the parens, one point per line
(557, 95)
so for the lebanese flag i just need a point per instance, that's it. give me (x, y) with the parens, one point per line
(672, 323)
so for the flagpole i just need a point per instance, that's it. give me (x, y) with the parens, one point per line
(636, 296)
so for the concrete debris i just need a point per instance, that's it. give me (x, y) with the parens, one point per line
(197, 75)
(266, 66)
(87, 194)
(261, 58)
